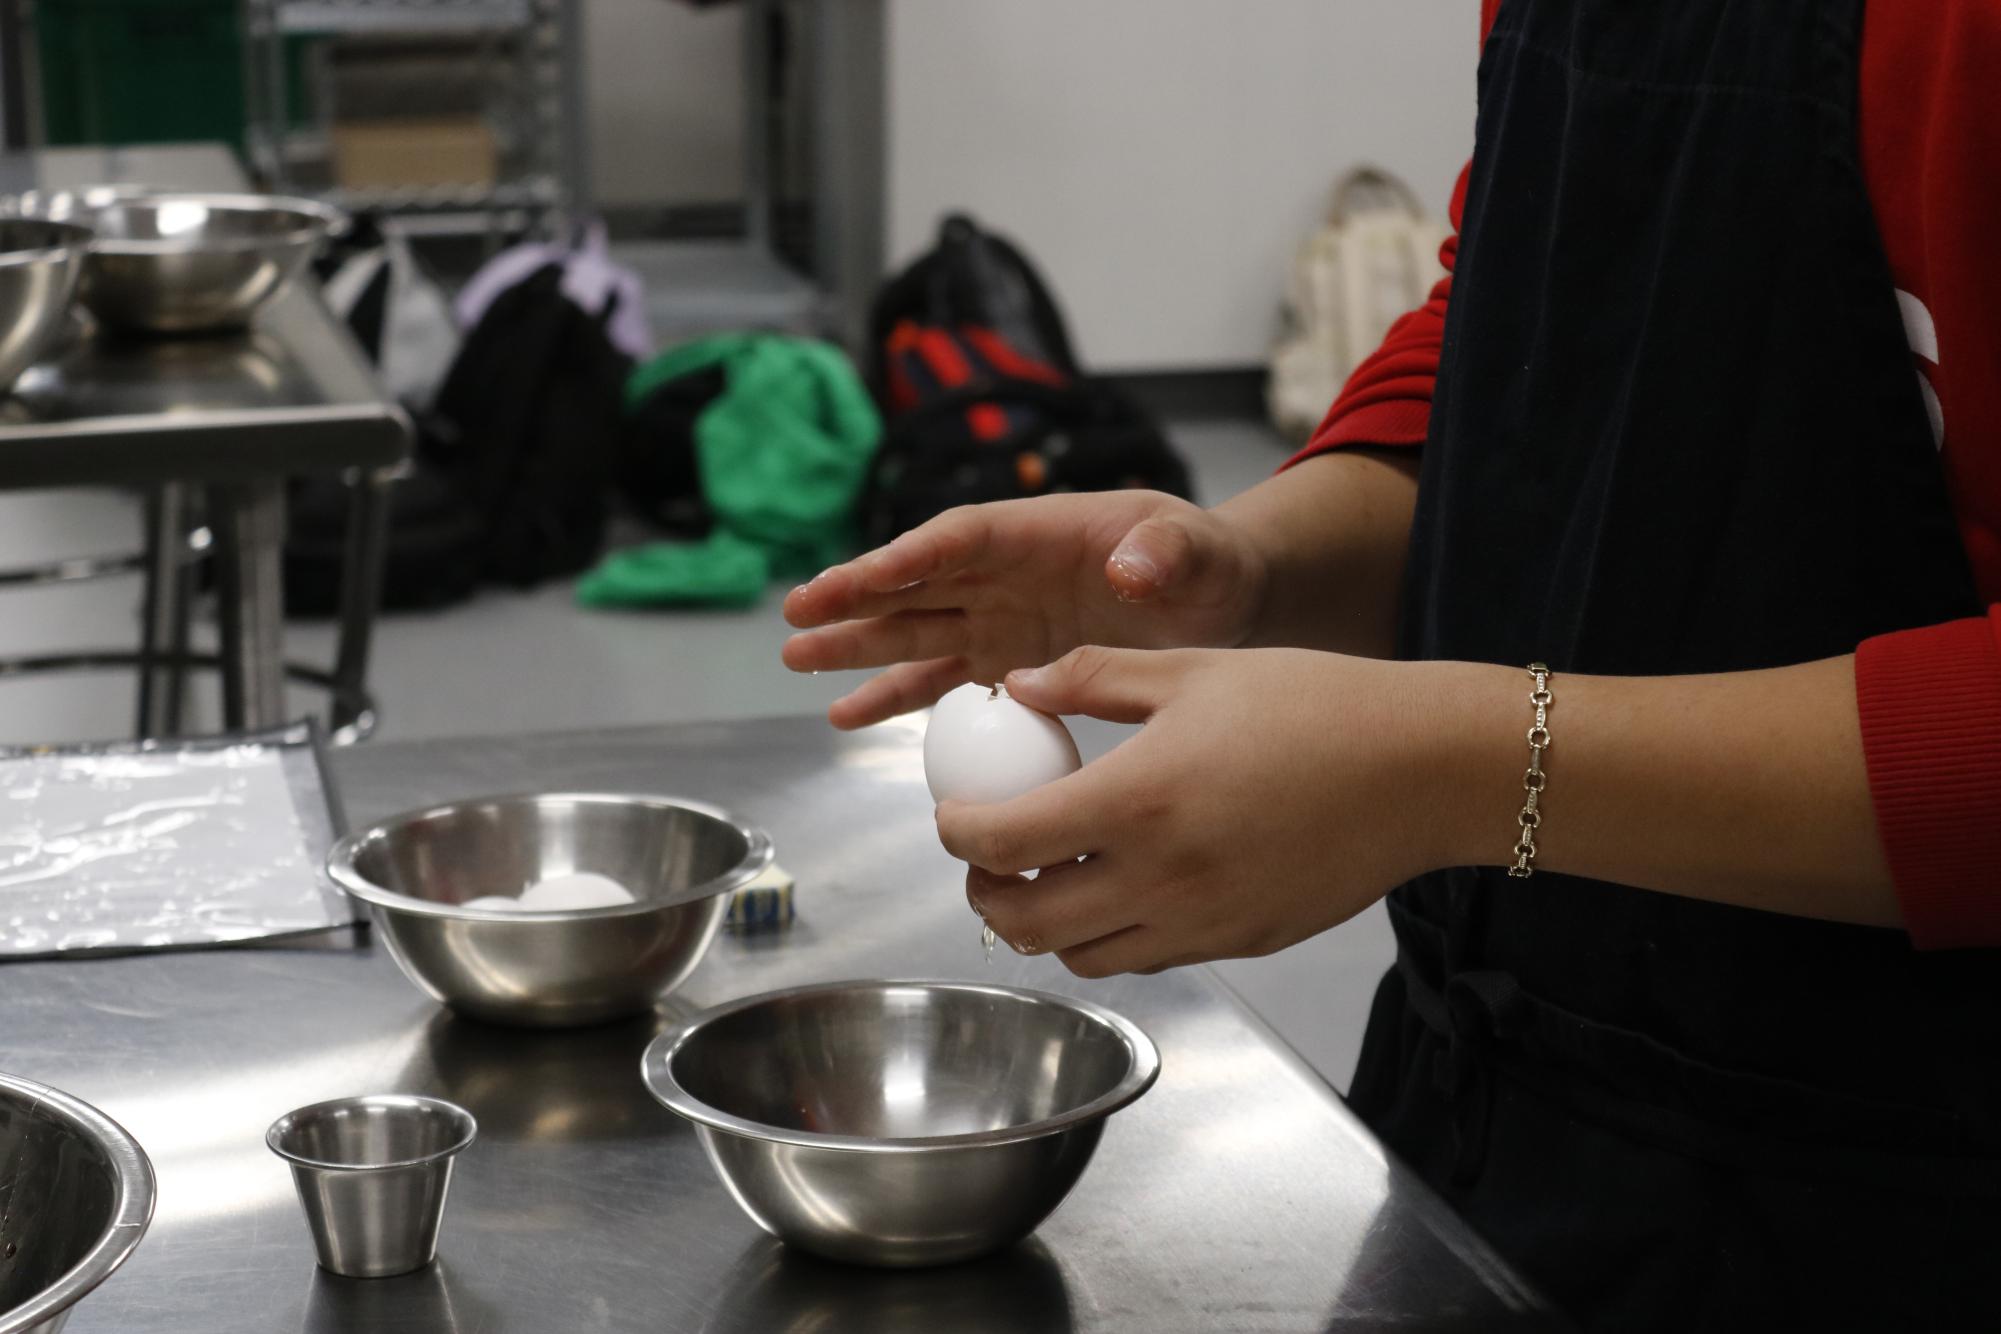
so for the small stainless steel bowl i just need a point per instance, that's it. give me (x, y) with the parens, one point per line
(900, 1123)
(373, 1173)
(185, 263)
(681, 859)
(40, 262)
(76, 1194)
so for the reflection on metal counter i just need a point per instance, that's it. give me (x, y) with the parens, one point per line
(547, 1085)
(773, 1289)
(426, 1302)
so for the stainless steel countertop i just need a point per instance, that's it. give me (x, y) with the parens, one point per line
(292, 394)
(1238, 1195)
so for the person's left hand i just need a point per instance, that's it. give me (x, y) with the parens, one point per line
(1272, 794)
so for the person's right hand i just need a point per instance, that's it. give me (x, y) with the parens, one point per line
(984, 589)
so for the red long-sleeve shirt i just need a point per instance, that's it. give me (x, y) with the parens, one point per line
(1930, 698)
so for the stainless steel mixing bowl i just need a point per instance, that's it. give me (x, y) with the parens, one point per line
(76, 1193)
(40, 262)
(900, 1123)
(183, 263)
(682, 859)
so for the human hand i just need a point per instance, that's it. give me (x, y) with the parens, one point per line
(1271, 794)
(984, 589)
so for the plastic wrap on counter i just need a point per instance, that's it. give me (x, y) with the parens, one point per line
(165, 845)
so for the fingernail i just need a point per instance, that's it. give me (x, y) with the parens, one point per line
(1138, 568)
(1030, 677)
(1137, 565)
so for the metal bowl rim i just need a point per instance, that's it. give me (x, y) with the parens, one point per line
(656, 1069)
(133, 1212)
(80, 239)
(319, 220)
(341, 858)
(373, 1100)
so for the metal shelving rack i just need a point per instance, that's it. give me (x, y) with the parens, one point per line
(694, 287)
(532, 50)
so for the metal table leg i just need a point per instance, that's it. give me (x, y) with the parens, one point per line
(162, 632)
(174, 675)
(360, 590)
(249, 520)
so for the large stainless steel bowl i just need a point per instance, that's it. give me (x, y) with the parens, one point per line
(900, 1123)
(183, 263)
(40, 262)
(550, 969)
(76, 1193)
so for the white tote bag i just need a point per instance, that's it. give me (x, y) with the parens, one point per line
(1374, 259)
(419, 336)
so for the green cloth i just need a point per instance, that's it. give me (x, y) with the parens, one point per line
(782, 453)
(724, 571)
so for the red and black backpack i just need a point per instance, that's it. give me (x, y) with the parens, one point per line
(982, 396)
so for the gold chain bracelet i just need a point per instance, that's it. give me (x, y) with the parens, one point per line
(1534, 780)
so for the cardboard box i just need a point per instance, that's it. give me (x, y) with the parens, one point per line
(388, 154)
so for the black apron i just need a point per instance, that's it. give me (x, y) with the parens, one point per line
(1677, 429)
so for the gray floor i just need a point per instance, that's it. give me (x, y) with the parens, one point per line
(512, 662)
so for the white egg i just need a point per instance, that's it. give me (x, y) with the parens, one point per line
(494, 903)
(579, 889)
(983, 746)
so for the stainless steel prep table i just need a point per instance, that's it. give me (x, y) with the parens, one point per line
(237, 413)
(1238, 1195)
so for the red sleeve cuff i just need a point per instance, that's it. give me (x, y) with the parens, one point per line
(1397, 421)
(1930, 701)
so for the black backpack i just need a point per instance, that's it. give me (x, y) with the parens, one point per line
(435, 536)
(982, 395)
(526, 427)
(512, 467)
(659, 474)
(436, 542)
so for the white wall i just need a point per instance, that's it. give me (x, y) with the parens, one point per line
(663, 84)
(1161, 159)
